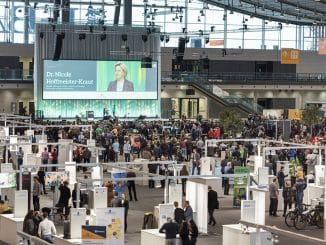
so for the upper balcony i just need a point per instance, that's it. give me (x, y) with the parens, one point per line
(242, 78)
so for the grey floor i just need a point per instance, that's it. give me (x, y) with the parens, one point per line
(148, 198)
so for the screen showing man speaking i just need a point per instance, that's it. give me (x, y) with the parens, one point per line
(89, 79)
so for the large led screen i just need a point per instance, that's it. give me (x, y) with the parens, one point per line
(89, 79)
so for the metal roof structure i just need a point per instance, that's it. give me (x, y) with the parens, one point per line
(298, 12)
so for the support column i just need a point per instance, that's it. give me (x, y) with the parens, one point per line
(127, 12)
(225, 18)
(26, 65)
(263, 34)
(26, 21)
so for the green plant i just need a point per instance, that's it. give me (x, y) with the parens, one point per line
(311, 116)
(231, 121)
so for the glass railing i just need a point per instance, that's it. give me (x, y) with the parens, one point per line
(16, 74)
(244, 76)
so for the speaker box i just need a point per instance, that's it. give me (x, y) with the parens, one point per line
(181, 48)
(58, 46)
(190, 91)
(146, 62)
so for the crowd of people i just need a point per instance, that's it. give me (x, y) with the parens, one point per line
(184, 142)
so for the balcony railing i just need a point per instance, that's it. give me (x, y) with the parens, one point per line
(236, 77)
(16, 74)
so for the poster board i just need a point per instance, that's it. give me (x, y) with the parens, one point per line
(263, 177)
(240, 184)
(13, 140)
(77, 220)
(56, 178)
(175, 193)
(93, 234)
(8, 180)
(6, 168)
(96, 174)
(113, 220)
(20, 204)
(165, 211)
(119, 185)
(248, 210)
(70, 168)
(100, 197)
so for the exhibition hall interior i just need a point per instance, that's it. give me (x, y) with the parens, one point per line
(146, 122)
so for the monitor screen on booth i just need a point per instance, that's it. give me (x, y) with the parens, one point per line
(91, 79)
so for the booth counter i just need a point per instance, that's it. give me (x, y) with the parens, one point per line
(234, 234)
(152, 236)
(312, 191)
(9, 225)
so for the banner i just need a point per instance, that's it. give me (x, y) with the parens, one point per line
(7, 180)
(119, 185)
(166, 211)
(113, 220)
(290, 56)
(216, 42)
(56, 178)
(294, 114)
(93, 234)
(322, 46)
(240, 184)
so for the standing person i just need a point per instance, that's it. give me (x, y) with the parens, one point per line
(243, 155)
(127, 150)
(273, 194)
(188, 211)
(184, 172)
(125, 204)
(287, 197)
(41, 178)
(132, 185)
(74, 197)
(300, 186)
(45, 156)
(86, 155)
(193, 231)
(20, 157)
(37, 191)
(54, 156)
(65, 195)
(116, 202)
(184, 233)
(171, 229)
(281, 177)
(46, 228)
(179, 213)
(196, 161)
(212, 203)
(116, 149)
(29, 225)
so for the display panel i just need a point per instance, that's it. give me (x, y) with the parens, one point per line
(89, 79)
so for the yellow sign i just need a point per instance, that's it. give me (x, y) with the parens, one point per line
(322, 46)
(294, 114)
(290, 56)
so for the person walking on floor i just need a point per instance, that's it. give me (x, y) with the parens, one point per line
(287, 196)
(20, 157)
(281, 177)
(212, 204)
(37, 191)
(132, 185)
(125, 204)
(273, 194)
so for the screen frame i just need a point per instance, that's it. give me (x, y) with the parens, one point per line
(153, 61)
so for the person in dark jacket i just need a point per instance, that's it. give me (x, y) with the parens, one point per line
(281, 177)
(65, 195)
(300, 185)
(171, 229)
(125, 204)
(184, 233)
(29, 225)
(193, 231)
(179, 214)
(287, 197)
(212, 203)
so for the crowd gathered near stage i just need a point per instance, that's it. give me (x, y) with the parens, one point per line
(182, 141)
